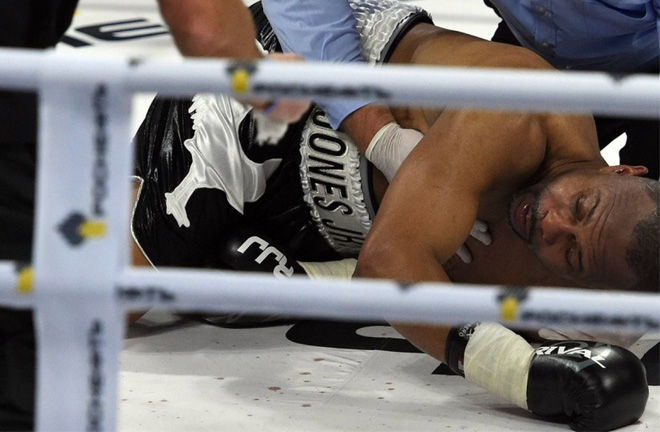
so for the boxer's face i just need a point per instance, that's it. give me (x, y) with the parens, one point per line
(580, 224)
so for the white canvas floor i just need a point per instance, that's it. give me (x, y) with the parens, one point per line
(185, 376)
(188, 376)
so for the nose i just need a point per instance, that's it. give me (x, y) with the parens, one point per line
(557, 226)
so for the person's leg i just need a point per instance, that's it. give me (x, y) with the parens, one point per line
(17, 185)
(17, 341)
(503, 33)
(162, 163)
(17, 370)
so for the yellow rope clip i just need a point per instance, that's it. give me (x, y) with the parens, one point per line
(92, 229)
(240, 81)
(509, 308)
(25, 279)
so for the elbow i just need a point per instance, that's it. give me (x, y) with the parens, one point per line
(364, 268)
(375, 262)
(196, 40)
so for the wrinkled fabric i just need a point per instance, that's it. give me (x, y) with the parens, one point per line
(254, 186)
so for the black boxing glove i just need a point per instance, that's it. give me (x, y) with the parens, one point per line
(595, 386)
(248, 250)
(598, 386)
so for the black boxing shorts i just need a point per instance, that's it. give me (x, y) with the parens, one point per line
(203, 174)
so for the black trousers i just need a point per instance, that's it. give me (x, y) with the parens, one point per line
(643, 143)
(23, 24)
(17, 370)
(17, 344)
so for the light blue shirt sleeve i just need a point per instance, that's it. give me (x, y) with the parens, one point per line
(609, 35)
(319, 30)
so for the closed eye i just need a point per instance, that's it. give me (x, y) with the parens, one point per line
(580, 205)
(594, 207)
(576, 207)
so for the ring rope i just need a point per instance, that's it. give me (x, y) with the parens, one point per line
(81, 283)
(431, 303)
(531, 90)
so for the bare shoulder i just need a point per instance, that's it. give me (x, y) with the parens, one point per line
(431, 45)
(510, 146)
(490, 150)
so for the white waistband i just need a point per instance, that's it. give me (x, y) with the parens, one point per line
(332, 185)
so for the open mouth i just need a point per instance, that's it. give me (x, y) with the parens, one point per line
(522, 215)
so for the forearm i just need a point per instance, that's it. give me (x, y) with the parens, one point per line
(211, 28)
(397, 257)
(381, 263)
(393, 263)
(361, 125)
(319, 30)
(424, 218)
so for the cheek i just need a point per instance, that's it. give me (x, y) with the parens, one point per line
(552, 259)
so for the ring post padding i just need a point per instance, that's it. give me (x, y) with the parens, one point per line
(80, 286)
(85, 160)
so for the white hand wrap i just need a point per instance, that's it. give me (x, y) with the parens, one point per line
(390, 147)
(498, 360)
(342, 269)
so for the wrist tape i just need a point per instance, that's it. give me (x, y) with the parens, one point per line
(342, 269)
(498, 360)
(457, 341)
(390, 147)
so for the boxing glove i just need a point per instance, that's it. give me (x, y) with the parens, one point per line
(595, 386)
(248, 250)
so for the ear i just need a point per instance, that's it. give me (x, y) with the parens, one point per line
(626, 170)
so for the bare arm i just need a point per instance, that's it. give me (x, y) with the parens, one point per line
(211, 28)
(465, 158)
(323, 30)
(361, 125)
(430, 207)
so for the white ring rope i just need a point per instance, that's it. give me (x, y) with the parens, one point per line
(600, 93)
(366, 300)
(82, 284)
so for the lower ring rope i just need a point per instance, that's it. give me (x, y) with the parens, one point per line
(82, 285)
(190, 290)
